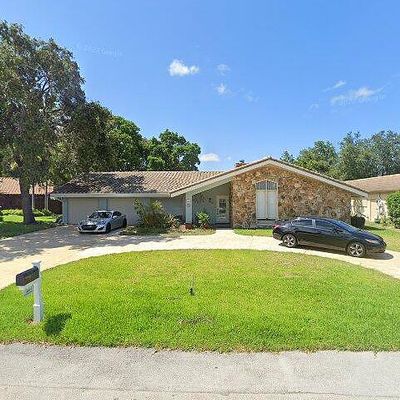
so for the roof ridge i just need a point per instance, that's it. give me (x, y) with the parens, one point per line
(150, 171)
(373, 177)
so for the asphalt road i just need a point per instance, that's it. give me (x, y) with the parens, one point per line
(53, 372)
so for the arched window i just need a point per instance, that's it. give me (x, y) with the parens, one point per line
(266, 185)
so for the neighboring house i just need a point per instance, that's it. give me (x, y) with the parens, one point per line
(377, 188)
(10, 196)
(248, 195)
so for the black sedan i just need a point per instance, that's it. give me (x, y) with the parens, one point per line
(328, 233)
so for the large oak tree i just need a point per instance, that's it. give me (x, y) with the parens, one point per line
(40, 87)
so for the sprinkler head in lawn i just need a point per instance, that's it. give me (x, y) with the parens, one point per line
(191, 289)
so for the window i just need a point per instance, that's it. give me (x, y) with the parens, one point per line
(271, 185)
(266, 185)
(261, 185)
(320, 224)
(117, 214)
(302, 222)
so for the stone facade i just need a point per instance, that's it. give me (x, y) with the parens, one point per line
(297, 196)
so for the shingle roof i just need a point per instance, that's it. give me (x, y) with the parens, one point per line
(11, 186)
(386, 183)
(134, 181)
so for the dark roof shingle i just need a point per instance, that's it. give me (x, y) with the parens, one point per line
(134, 181)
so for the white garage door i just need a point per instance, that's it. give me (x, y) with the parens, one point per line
(125, 206)
(78, 209)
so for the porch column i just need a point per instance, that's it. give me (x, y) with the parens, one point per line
(46, 198)
(188, 208)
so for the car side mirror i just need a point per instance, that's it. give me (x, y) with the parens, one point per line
(115, 216)
(338, 230)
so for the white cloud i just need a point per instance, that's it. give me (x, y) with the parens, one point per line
(313, 107)
(361, 95)
(222, 89)
(209, 157)
(223, 69)
(178, 68)
(250, 97)
(337, 85)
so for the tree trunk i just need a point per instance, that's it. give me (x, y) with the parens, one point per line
(29, 218)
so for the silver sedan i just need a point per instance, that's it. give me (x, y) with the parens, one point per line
(102, 221)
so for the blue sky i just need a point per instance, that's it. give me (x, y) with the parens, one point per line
(244, 79)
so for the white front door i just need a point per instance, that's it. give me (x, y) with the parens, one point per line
(272, 212)
(261, 205)
(222, 211)
(266, 200)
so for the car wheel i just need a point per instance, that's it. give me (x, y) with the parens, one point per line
(124, 224)
(289, 240)
(108, 228)
(356, 249)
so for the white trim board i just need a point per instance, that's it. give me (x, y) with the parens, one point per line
(100, 195)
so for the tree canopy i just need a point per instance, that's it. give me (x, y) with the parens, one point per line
(355, 158)
(40, 87)
(49, 132)
(172, 152)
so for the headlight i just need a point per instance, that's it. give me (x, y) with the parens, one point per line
(373, 241)
(100, 226)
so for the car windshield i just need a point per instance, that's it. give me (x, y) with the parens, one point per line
(100, 214)
(345, 226)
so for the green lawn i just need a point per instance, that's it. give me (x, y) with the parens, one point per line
(254, 232)
(244, 300)
(389, 234)
(12, 225)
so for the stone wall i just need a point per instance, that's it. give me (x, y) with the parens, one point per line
(297, 196)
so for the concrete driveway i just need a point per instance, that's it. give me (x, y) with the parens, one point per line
(64, 244)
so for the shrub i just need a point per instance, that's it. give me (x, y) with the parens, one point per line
(393, 205)
(203, 219)
(153, 215)
(1, 215)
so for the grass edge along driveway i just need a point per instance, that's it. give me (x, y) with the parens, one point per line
(245, 300)
(12, 225)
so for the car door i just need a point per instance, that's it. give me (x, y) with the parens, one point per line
(304, 230)
(330, 235)
(117, 219)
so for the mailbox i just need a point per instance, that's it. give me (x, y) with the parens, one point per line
(26, 277)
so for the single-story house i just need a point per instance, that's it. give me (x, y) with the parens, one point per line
(378, 188)
(10, 196)
(248, 195)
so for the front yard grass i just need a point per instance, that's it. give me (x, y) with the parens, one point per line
(12, 225)
(244, 300)
(390, 235)
(254, 232)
